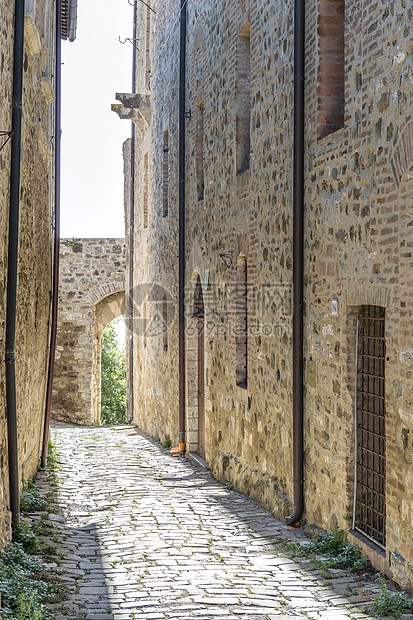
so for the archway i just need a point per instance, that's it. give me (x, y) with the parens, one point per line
(104, 312)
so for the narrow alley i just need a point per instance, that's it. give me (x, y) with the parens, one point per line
(145, 535)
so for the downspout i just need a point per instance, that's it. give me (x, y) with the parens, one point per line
(298, 263)
(56, 251)
(12, 270)
(181, 309)
(132, 227)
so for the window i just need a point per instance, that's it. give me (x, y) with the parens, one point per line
(241, 311)
(370, 510)
(200, 151)
(145, 190)
(243, 100)
(165, 321)
(330, 86)
(148, 46)
(165, 173)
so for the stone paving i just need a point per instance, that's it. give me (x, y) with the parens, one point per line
(150, 536)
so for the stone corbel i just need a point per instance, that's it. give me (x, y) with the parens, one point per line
(47, 90)
(32, 34)
(134, 107)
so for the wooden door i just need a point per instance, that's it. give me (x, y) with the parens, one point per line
(201, 388)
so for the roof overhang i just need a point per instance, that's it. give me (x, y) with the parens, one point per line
(69, 19)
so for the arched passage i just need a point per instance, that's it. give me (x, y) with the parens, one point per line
(91, 295)
(104, 312)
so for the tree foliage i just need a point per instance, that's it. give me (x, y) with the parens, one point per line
(113, 378)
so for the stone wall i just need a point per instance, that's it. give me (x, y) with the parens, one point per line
(155, 260)
(91, 295)
(358, 215)
(35, 245)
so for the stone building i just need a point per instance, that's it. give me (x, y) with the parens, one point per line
(35, 244)
(239, 187)
(91, 295)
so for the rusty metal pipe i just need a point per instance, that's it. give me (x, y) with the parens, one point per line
(298, 263)
(56, 250)
(181, 310)
(13, 259)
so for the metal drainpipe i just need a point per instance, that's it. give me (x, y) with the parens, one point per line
(13, 256)
(132, 227)
(298, 263)
(56, 251)
(182, 374)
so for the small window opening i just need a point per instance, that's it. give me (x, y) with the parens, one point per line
(241, 311)
(370, 498)
(200, 151)
(148, 46)
(243, 100)
(330, 87)
(145, 190)
(165, 173)
(165, 321)
(198, 307)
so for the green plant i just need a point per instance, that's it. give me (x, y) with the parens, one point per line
(53, 462)
(390, 603)
(30, 498)
(167, 443)
(24, 585)
(48, 550)
(336, 552)
(113, 378)
(26, 536)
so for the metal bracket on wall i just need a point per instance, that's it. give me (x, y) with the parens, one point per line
(149, 7)
(227, 259)
(130, 41)
(7, 135)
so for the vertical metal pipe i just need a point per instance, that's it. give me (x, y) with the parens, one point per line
(181, 293)
(298, 262)
(132, 226)
(13, 257)
(56, 251)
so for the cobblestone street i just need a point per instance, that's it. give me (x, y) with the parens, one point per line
(146, 535)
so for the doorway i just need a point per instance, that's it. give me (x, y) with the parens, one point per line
(199, 316)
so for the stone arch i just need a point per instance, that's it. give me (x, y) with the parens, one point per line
(401, 156)
(406, 265)
(105, 310)
(98, 293)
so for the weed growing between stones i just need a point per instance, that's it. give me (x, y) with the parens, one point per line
(167, 443)
(390, 603)
(30, 498)
(53, 463)
(26, 586)
(331, 550)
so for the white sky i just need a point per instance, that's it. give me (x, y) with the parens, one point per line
(96, 66)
